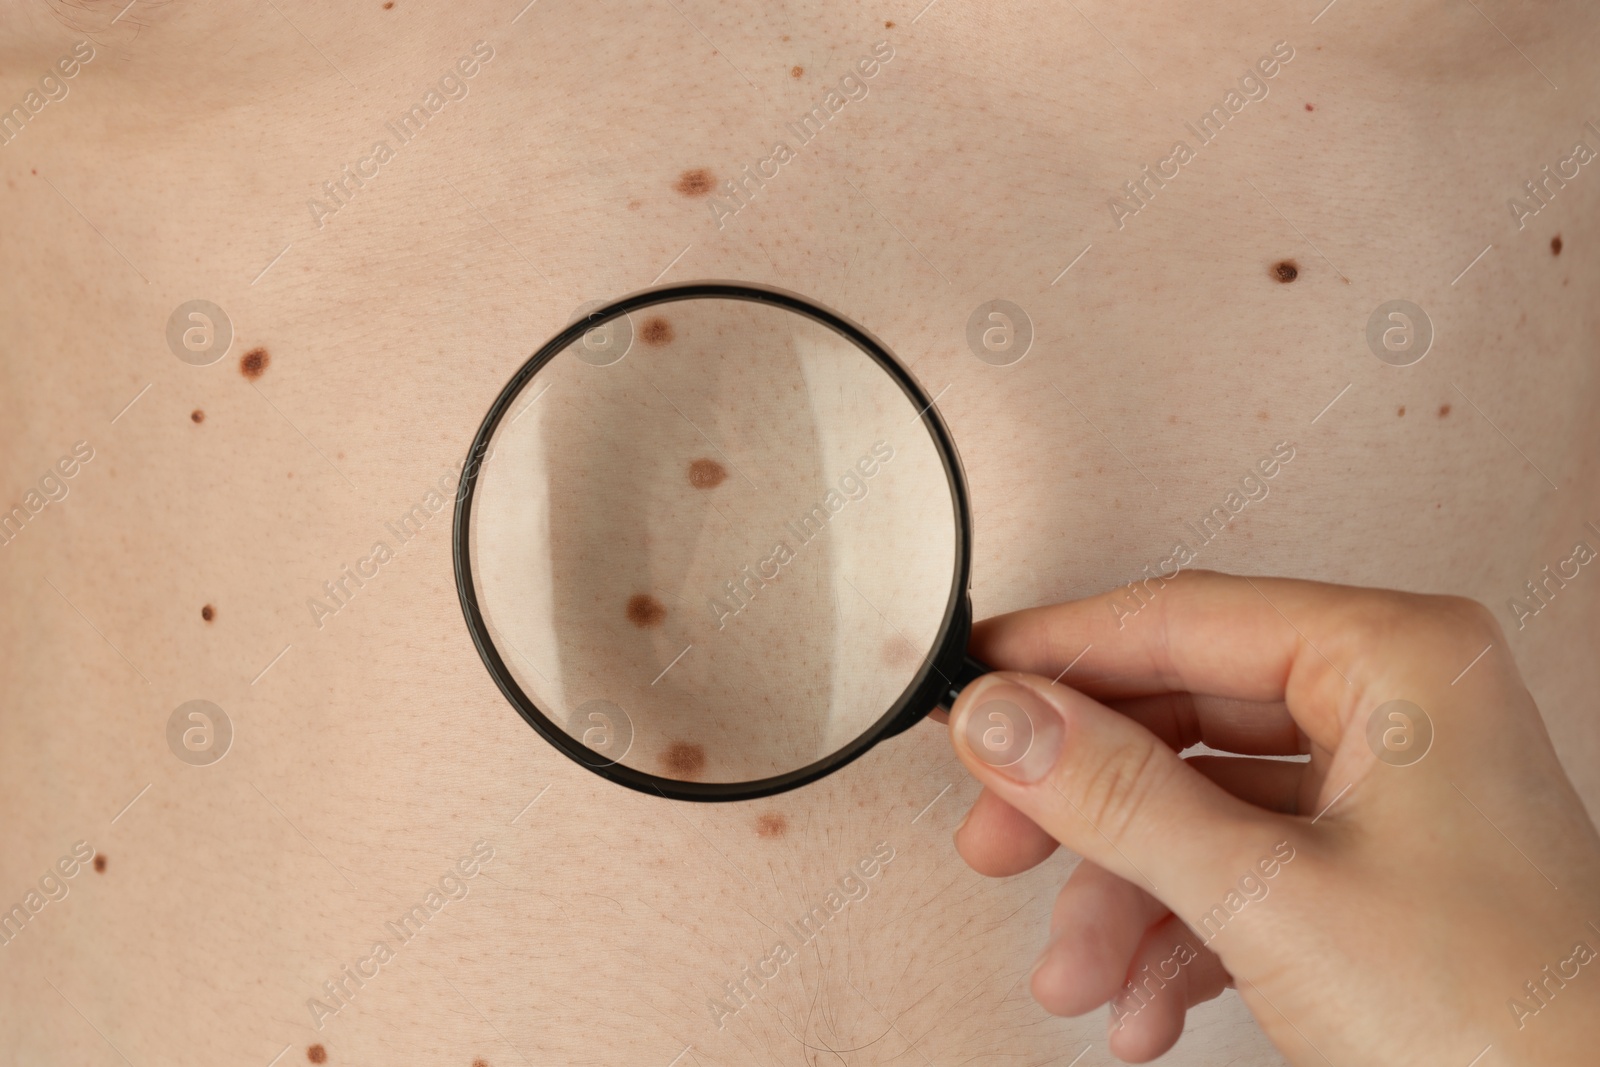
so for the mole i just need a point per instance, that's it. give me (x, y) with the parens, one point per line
(387, 4)
(707, 474)
(656, 331)
(684, 759)
(796, 71)
(1286, 270)
(697, 182)
(1401, 413)
(208, 613)
(480, 1062)
(197, 416)
(1555, 245)
(889, 25)
(772, 824)
(253, 364)
(898, 653)
(1310, 108)
(1444, 410)
(317, 1054)
(99, 864)
(645, 611)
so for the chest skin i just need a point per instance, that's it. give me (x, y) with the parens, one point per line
(1028, 154)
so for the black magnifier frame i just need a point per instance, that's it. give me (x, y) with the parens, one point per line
(944, 672)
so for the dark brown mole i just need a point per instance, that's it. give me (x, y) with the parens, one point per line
(1402, 412)
(707, 474)
(253, 364)
(889, 25)
(197, 415)
(387, 4)
(645, 611)
(685, 759)
(480, 1062)
(1286, 270)
(99, 864)
(317, 1054)
(772, 824)
(1444, 409)
(656, 331)
(1555, 245)
(208, 613)
(796, 71)
(697, 182)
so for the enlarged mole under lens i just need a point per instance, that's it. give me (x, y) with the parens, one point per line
(707, 474)
(656, 331)
(645, 611)
(684, 759)
(697, 182)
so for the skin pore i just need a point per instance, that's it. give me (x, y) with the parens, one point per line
(585, 160)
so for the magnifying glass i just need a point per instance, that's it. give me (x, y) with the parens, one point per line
(712, 541)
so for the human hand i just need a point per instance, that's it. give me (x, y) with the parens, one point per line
(1425, 890)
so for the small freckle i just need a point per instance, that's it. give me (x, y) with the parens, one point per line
(317, 1054)
(888, 25)
(656, 331)
(197, 416)
(36, 170)
(772, 824)
(645, 611)
(697, 182)
(1444, 410)
(898, 653)
(99, 864)
(208, 613)
(786, 37)
(1402, 412)
(1286, 270)
(796, 71)
(1173, 419)
(1310, 108)
(253, 364)
(707, 474)
(633, 205)
(1555, 245)
(685, 759)
(1263, 416)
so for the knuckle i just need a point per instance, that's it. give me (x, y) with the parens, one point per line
(1111, 789)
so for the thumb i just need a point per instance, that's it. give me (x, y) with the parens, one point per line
(1108, 789)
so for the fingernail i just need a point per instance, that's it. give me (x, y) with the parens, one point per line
(1012, 729)
(962, 825)
(1044, 957)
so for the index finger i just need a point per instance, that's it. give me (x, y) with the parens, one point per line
(1308, 644)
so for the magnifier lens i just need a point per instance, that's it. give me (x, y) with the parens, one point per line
(713, 540)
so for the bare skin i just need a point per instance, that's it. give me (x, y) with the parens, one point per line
(372, 754)
(1288, 879)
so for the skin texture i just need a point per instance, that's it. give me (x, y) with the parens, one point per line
(1305, 940)
(371, 750)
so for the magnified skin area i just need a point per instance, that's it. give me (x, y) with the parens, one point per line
(1166, 363)
(824, 528)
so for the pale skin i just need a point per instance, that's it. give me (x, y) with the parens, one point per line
(372, 750)
(1479, 822)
